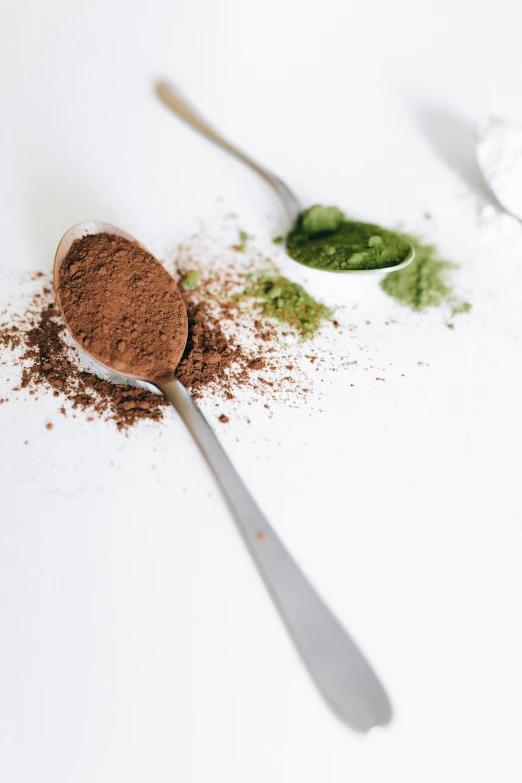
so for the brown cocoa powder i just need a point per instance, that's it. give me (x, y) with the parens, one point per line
(232, 350)
(212, 360)
(211, 356)
(122, 306)
(49, 362)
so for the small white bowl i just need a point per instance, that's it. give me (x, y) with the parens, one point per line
(348, 286)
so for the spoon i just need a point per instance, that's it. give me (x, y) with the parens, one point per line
(172, 98)
(499, 155)
(340, 671)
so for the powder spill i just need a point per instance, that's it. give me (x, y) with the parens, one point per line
(211, 356)
(255, 337)
(190, 280)
(238, 344)
(425, 283)
(288, 302)
(51, 362)
(246, 325)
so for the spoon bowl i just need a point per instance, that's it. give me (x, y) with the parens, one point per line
(350, 287)
(366, 273)
(79, 231)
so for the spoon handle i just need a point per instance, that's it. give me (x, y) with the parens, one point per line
(339, 669)
(170, 95)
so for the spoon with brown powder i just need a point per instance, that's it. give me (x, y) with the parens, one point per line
(125, 310)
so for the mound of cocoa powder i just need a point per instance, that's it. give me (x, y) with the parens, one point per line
(122, 306)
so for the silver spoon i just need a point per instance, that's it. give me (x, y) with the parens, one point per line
(339, 669)
(172, 98)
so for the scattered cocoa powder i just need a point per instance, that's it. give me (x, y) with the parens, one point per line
(122, 306)
(49, 362)
(232, 348)
(210, 356)
(224, 419)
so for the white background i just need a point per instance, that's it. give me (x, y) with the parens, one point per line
(136, 640)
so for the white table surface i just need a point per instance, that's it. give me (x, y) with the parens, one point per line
(136, 640)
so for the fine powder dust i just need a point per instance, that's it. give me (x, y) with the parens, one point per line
(122, 306)
(50, 363)
(234, 351)
(212, 356)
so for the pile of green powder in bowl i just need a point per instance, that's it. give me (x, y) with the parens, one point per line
(324, 239)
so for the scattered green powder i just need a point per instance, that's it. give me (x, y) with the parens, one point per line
(324, 239)
(426, 282)
(289, 303)
(243, 241)
(190, 280)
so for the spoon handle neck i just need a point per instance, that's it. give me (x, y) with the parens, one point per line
(339, 669)
(171, 96)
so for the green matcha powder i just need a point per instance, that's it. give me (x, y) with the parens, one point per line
(425, 283)
(324, 239)
(289, 303)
